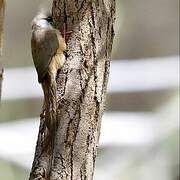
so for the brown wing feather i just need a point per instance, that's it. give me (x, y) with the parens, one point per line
(44, 44)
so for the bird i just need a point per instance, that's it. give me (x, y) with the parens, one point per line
(48, 47)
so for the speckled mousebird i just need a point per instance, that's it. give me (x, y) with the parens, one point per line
(48, 48)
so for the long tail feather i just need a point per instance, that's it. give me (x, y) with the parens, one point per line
(50, 108)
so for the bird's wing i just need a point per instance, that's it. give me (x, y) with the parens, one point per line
(44, 46)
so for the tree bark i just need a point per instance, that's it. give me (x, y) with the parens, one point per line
(81, 90)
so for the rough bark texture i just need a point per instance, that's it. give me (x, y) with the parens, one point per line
(81, 90)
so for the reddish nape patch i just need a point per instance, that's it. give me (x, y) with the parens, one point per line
(65, 34)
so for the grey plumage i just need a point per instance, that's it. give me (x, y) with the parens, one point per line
(48, 48)
(44, 44)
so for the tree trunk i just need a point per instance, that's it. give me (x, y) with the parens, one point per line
(81, 90)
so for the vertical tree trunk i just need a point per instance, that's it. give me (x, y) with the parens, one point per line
(81, 87)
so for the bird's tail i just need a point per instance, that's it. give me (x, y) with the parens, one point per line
(50, 108)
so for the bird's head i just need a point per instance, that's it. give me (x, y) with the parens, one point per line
(42, 21)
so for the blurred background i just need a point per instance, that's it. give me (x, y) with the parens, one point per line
(140, 128)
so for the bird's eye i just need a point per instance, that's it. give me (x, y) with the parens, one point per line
(49, 19)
